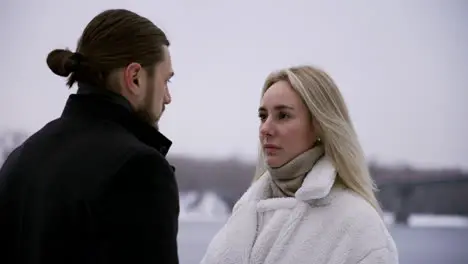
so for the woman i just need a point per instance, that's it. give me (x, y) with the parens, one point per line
(312, 200)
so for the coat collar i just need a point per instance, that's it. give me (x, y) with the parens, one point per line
(318, 182)
(106, 105)
(315, 189)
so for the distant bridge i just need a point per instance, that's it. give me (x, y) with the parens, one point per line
(406, 188)
(424, 182)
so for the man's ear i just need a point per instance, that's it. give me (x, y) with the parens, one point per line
(132, 75)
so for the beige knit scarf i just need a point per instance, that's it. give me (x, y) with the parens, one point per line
(287, 179)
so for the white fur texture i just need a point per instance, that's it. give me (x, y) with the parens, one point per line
(321, 225)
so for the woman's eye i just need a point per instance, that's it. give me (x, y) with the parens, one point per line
(283, 115)
(262, 117)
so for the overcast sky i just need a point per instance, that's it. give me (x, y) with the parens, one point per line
(401, 65)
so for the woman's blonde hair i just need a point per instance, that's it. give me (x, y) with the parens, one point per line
(335, 129)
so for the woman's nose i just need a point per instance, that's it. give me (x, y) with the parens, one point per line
(266, 128)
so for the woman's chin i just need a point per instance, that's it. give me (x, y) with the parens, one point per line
(274, 162)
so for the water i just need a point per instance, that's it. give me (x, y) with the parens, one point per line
(430, 239)
(416, 245)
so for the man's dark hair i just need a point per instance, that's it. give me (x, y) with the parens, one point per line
(112, 40)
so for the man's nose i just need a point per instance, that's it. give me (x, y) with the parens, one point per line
(167, 97)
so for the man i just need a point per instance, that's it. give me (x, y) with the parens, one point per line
(94, 186)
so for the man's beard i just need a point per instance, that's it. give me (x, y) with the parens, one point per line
(145, 116)
(145, 111)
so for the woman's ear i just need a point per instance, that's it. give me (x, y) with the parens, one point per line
(317, 130)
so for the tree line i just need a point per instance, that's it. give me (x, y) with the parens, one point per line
(403, 190)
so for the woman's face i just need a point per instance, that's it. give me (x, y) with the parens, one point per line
(286, 128)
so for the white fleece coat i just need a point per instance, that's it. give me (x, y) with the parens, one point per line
(322, 224)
